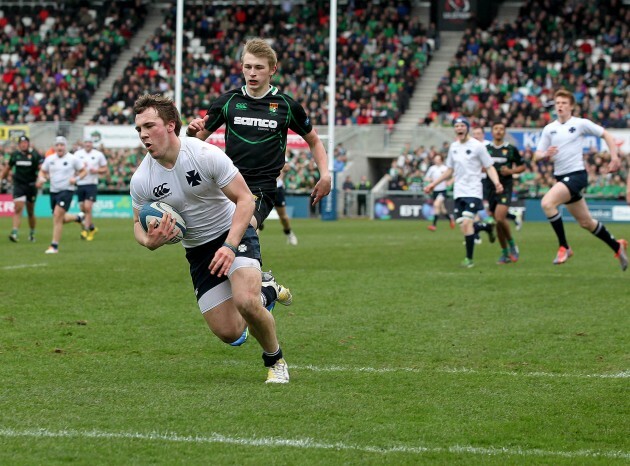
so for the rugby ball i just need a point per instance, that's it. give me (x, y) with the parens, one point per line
(155, 211)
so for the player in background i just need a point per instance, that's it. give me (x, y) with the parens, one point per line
(280, 204)
(63, 170)
(439, 193)
(257, 117)
(466, 159)
(200, 182)
(562, 142)
(25, 162)
(507, 162)
(87, 188)
(517, 217)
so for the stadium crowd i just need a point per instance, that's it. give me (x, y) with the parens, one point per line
(51, 62)
(510, 71)
(382, 51)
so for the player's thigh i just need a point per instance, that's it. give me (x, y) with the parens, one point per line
(282, 212)
(558, 194)
(581, 214)
(500, 212)
(246, 283)
(18, 205)
(225, 321)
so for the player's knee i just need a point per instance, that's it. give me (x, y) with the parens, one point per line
(587, 223)
(248, 304)
(547, 204)
(228, 334)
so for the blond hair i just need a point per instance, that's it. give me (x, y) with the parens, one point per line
(259, 47)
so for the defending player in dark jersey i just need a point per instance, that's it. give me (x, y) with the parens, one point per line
(257, 118)
(25, 162)
(507, 162)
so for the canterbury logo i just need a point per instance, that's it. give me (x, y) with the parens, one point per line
(260, 122)
(161, 190)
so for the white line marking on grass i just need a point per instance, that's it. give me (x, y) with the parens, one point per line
(308, 443)
(463, 370)
(22, 266)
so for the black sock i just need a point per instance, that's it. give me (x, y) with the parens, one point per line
(510, 216)
(558, 227)
(602, 233)
(470, 246)
(287, 231)
(269, 292)
(271, 359)
(435, 219)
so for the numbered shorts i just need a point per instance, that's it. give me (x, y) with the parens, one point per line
(280, 199)
(87, 192)
(576, 182)
(62, 199)
(24, 193)
(466, 207)
(210, 289)
(505, 198)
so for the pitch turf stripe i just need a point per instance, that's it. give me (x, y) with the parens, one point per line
(309, 443)
(463, 370)
(23, 266)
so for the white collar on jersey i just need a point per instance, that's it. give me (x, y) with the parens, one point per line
(272, 90)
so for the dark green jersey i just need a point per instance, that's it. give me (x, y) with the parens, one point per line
(256, 132)
(506, 155)
(25, 166)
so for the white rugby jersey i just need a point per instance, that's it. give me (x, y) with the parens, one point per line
(569, 138)
(467, 160)
(94, 159)
(60, 170)
(433, 173)
(192, 187)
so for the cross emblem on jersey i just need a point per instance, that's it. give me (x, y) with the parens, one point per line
(193, 178)
(572, 129)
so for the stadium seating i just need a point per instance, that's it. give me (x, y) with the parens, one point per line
(51, 60)
(511, 71)
(382, 52)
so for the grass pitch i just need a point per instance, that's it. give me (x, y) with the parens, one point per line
(396, 354)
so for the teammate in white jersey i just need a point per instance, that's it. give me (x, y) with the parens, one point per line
(439, 193)
(222, 248)
(63, 170)
(466, 159)
(562, 142)
(87, 188)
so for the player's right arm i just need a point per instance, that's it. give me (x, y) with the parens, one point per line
(544, 149)
(445, 176)
(5, 172)
(154, 237)
(42, 176)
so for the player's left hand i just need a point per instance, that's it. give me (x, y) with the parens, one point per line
(222, 261)
(499, 188)
(614, 165)
(321, 189)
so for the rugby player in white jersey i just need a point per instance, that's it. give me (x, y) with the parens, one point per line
(439, 193)
(87, 188)
(562, 143)
(63, 170)
(201, 183)
(466, 160)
